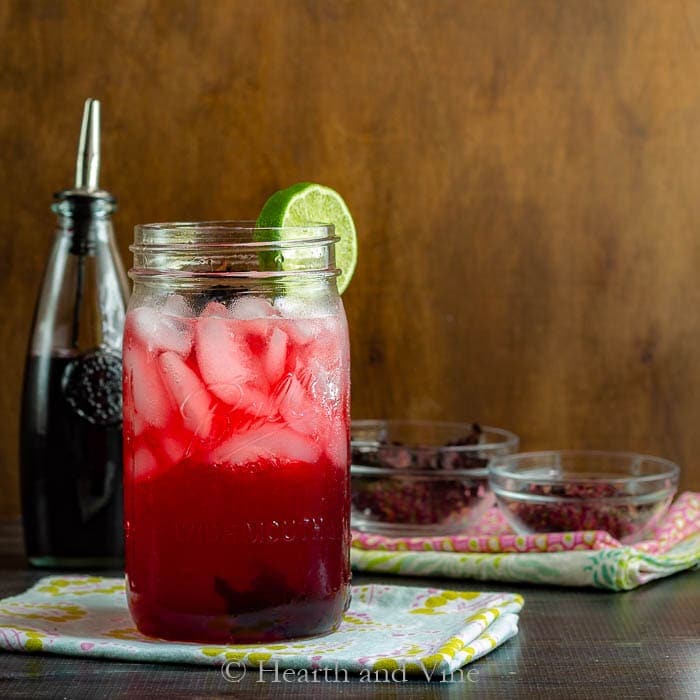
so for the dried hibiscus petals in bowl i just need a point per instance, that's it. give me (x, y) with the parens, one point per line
(622, 493)
(422, 477)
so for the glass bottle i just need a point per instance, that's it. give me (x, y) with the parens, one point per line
(70, 442)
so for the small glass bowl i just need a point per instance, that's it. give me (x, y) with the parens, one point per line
(422, 477)
(622, 493)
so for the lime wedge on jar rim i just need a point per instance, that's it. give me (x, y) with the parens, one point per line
(307, 203)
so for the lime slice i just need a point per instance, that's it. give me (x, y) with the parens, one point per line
(307, 203)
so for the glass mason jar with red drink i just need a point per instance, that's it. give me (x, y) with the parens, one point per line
(236, 429)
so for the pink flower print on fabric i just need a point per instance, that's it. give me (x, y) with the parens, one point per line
(494, 536)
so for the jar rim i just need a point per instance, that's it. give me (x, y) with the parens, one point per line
(232, 233)
(245, 224)
(229, 248)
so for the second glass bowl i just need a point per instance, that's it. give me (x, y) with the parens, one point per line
(622, 493)
(414, 477)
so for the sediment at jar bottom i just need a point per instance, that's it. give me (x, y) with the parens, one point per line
(295, 620)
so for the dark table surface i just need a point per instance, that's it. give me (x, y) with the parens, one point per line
(573, 643)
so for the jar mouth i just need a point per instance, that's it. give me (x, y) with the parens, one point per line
(235, 234)
(216, 249)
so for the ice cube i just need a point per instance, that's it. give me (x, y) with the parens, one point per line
(151, 402)
(327, 341)
(288, 306)
(138, 424)
(173, 449)
(176, 305)
(295, 405)
(229, 369)
(256, 331)
(243, 397)
(160, 332)
(215, 309)
(271, 442)
(249, 307)
(323, 379)
(275, 356)
(145, 463)
(301, 331)
(336, 444)
(188, 392)
(296, 306)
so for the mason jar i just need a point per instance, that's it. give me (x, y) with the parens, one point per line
(236, 433)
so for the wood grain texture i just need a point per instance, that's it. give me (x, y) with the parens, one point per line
(524, 176)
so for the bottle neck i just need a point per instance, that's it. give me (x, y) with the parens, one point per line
(85, 219)
(84, 290)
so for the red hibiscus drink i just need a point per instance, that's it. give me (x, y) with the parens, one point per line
(236, 426)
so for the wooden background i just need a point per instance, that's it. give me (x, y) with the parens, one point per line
(525, 178)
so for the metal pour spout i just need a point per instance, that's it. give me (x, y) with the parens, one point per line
(87, 166)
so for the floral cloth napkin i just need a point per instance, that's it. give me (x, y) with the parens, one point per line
(421, 631)
(494, 552)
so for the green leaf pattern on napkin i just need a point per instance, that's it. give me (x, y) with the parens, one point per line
(419, 630)
(616, 569)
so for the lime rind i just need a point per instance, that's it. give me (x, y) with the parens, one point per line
(300, 205)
